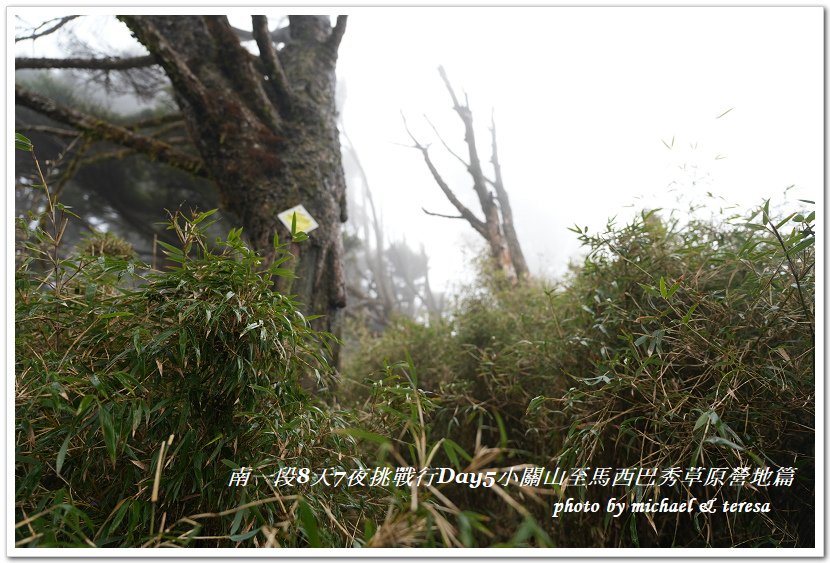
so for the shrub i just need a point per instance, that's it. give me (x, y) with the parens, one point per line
(673, 345)
(134, 401)
(701, 342)
(138, 392)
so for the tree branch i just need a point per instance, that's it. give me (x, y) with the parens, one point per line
(456, 106)
(279, 35)
(155, 121)
(442, 215)
(234, 58)
(101, 130)
(446, 146)
(182, 77)
(106, 63)
(492, 224)
(270, 60)
(474, 166)
(56, 131)
(35, 35)
(455, 154)
(474, 221)
(337, 33)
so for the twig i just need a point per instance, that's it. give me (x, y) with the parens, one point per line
(442, 215)
(474, 221)
(35, 35)
(795, 276)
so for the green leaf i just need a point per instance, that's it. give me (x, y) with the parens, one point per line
(701, 420)
(62, 454)
(688, 315)
(202, 216)
(309, 523)
(369, 529)
(502, 429)
(237, 520)
(251, 327)
(534, 403)
(85, 402)
(451, 455)
(663, 292)
(649, 289)
(363, 434)
(172, 249)
(784, 221)
(656, 340)
(172, 252)
(282, 272)
(646, 214)
(718, 441)
(447, 443)
(245, 536)
(804, 244)
(22, 143)
(91, 290)
(105, 418)
(673, 289)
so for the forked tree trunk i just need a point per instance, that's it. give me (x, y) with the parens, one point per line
(265, 128)
(497, 227)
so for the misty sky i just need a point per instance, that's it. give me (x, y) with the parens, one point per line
(586, 100)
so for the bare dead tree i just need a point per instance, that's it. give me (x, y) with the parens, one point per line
(516, 255)
(262, 128)
(497, 226)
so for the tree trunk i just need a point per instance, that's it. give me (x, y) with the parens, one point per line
(517, 257)
(266, 130)
(497, 226)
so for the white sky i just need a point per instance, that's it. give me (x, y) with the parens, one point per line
(584, 99)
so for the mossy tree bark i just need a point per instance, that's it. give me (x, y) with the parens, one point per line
(264, 128)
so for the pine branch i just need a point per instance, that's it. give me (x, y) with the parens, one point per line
(104, 131)
(106, 63)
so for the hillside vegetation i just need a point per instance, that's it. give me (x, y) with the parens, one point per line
(675, 344)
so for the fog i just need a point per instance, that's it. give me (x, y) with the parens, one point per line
(600, 112)
(584, 101)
